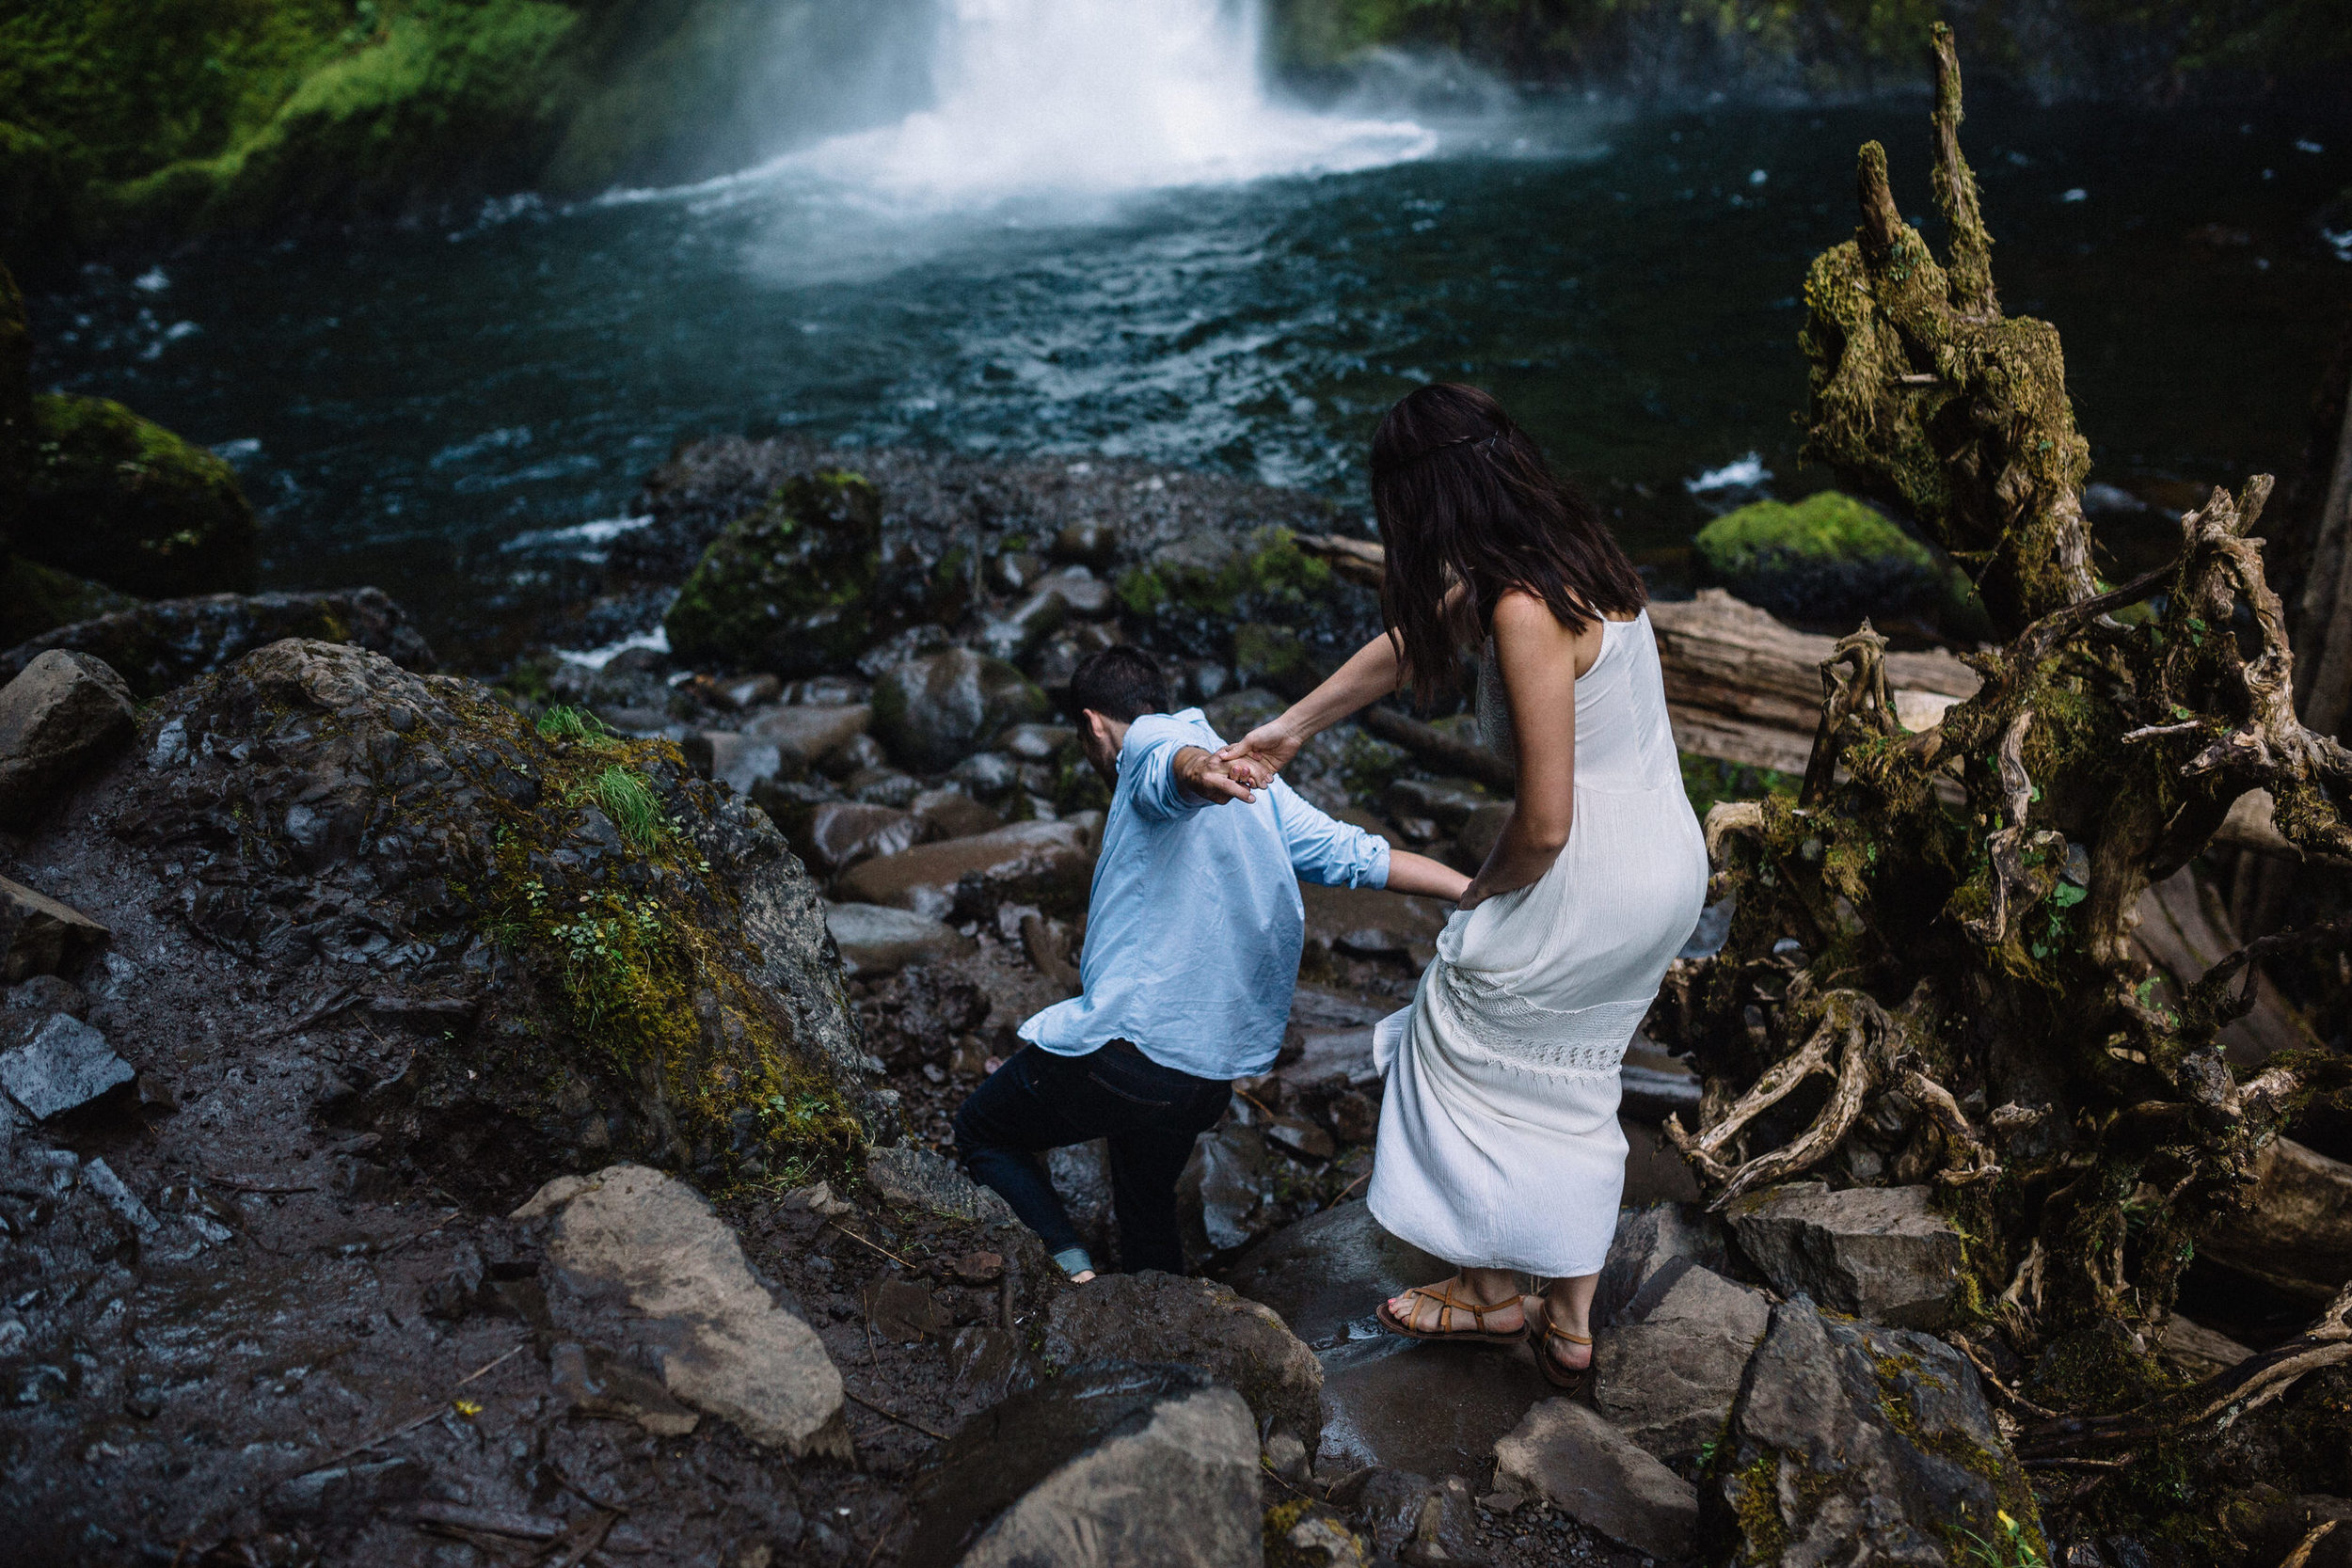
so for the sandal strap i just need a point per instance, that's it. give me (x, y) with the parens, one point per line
(1554, 1331)
(1446, 1303)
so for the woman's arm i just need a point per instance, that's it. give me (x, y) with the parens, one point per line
(1540, 658)
(1369, 674)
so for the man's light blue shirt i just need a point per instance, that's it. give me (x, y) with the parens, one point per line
(1195, 927)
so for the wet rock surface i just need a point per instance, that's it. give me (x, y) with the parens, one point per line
(1577, 1460)
(1195, 1323)
(1669, 1364)
(1112, 1463)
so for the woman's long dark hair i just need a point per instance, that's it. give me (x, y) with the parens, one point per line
(1463, 495)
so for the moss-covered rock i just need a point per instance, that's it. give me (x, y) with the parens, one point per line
(1826, 558)
(37, 599)
(168, 642)
(607, 957)
(790, 587)
(122, 500)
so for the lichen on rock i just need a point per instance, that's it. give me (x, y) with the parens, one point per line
(616, 958)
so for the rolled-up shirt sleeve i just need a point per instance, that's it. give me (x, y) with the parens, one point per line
(1148, 757)
(1323, 850)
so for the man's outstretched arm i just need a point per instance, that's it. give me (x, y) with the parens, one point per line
(1419, 874)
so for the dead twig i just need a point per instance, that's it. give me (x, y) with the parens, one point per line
(894, 1415)
(876, 1246)
(408, 1427)
(2303, 1549)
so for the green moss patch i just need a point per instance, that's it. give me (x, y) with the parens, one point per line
(1827, 557)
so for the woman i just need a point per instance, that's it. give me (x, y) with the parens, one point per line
(1499, 1147)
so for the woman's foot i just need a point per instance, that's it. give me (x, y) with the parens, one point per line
(1564, 1346)
(1467, 1307)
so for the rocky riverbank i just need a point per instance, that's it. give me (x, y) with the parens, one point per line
(456, 1123)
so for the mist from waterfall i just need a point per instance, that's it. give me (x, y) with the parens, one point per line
(1100, 97)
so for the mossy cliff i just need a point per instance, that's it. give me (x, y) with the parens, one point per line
(2101, 46)
(607, 957)
(121, 118)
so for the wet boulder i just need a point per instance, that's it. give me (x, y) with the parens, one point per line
(1330, 1270)
(156, 647)
(1411, 1519)
(932, 713)
(115, 498)
(650, 1246)
(878, 940)
(1431, 1408)
(1854, 1443)
(1109, 1464)
(1826, 558)
(1196, 1322)
(808, 736)
(1572, 1458)
(837, 834)
(1669, 1366)
(630, 960)
(787, 589)
(58, 719)
(35, 599)
(1049, 864)
(1881, 1253)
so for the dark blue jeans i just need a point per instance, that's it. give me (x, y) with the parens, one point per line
(1150, 1114)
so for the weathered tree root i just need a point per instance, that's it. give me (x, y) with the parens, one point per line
(2085, 1129)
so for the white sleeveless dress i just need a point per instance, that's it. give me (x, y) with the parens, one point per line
(1499, 1139)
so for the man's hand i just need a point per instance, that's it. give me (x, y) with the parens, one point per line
(1256, 757)
(1206, 778)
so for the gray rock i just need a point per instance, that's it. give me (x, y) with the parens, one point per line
(1850, 1443)
(1029, 622)
(65, 1064)
(877, 940)
(1195, 1323)
(109, 1189)
(41, 936)
(59, 718)
(1411, 1519)
(809, 734)
(157, 646)
(952, 814)
(1050, 865)
(1669, 1367)
(1330, 1270)
(738, 761)
(1572, 1458)
(1476, 837)
(1880, 1253)
(920, 1179)
(1225, 1198)
(2199, 1350)
(1646, 1241)
(1109, 1464)
(652, 1244)
(837, 835)
(933, 712)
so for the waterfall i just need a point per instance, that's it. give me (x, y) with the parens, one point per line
(1097, 97)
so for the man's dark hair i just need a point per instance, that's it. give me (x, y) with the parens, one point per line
(1118, 683)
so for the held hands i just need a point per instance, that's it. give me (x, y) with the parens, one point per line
(1256, 757)
(1203, 775)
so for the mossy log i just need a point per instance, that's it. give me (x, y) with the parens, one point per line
(1930, 975)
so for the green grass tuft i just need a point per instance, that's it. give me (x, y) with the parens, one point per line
(629, 800)
(576, 724)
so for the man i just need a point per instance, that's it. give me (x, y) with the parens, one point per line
(1193, 937)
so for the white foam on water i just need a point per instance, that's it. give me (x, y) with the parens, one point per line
(1100, 97)
(596, 659)
(1745, 474)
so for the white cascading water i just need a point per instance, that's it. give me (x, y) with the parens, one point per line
(1096, 97)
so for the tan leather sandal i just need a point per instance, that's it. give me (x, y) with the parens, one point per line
(1554, 1373)
(1477, 1334)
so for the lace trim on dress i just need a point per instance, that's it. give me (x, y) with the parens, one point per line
(1493, 1021)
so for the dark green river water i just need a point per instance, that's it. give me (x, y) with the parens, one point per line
(438, 410)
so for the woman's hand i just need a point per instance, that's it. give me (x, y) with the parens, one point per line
(1256, 757)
